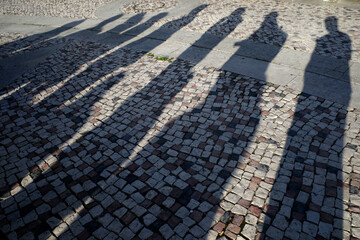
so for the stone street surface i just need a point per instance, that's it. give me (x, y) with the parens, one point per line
(104, 141)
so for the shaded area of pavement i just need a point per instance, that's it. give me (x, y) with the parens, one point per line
(287, 68)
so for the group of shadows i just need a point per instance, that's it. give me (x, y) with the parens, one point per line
(167, 85)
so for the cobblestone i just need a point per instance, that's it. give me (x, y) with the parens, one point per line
(249, 231)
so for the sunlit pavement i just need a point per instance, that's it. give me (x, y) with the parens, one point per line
(163, 136)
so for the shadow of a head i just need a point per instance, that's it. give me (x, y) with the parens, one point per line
(271, 19)
(272, 15)
(236, 15)
(185, 19)
(198, 9)
(227, 25)
(335, 43)
(268, 30)
(331, 24)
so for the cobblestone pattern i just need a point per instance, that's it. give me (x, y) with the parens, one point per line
(53, 8)
(148, 6)
(304, 23)
(311, 196)
(165, 150)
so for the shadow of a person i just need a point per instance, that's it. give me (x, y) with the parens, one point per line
(269, 24)
(78, 69)
(269, 30)
(115, 53)
(334, 41)
(306, 200)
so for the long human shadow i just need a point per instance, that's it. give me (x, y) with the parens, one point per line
(52, 97)
(154, 106)
(80, 121)
(54, 102)
(163, 87)
(52, 107)
(312, 189)
(200, 151)
(36, 173)
(183, 21)
(170, 90)
(99, 59)
(72, 61)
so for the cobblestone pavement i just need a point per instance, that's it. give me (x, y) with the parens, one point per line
(101, 143)
(304, 23)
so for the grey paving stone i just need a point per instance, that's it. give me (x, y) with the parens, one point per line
(101, 233)
(166, 231)
(127, 233)
(313, 216)
(181, 229)
(280, 222)
(197, 231)
(116, 226)
(310, 228)
(325, 229)
(96, 211)
(148, 219)
(249, 231)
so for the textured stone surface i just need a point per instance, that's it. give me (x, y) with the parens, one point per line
(303, 26)
(100, 142)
